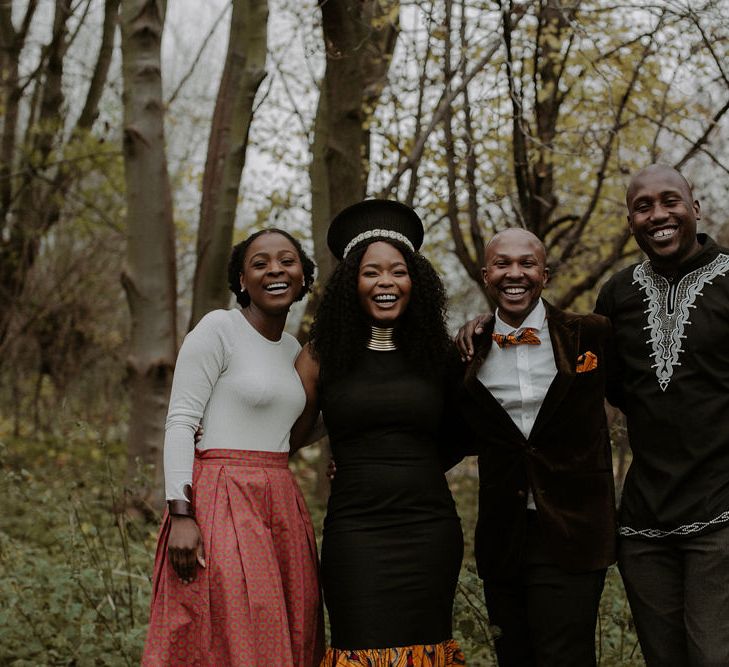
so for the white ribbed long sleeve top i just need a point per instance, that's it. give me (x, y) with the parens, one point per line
(243, 386)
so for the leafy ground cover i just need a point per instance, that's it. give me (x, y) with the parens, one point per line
(75, 576)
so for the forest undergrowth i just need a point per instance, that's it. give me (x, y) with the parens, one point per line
(75, 575)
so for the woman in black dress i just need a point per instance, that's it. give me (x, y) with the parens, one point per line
(377, 366)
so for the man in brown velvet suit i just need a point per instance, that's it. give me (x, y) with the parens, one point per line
(533, 395)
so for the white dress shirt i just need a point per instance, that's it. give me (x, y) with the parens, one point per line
(519, 376)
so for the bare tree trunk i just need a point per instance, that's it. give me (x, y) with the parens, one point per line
(383, 17)
(101, 69)
(345, 33)
(149, 274)
(320, 211)
(242, 75)
(359, 38)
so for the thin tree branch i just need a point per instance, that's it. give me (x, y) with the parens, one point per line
(292, 100)
(445, 101)
(101, 69)
(27, 20)
(597, 270)
(718, 61)
(473, 221)
(198, 57)
(697, 145)
(575, 235)
(413, 183)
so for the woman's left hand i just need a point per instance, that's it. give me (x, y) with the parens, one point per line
(185, 547)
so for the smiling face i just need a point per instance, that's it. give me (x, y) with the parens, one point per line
(662, 215)
(272, 273)
(515, 274)
(383, 284)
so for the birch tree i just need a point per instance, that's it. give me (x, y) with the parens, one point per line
(149, 275)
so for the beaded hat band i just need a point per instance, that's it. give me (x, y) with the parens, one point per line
(378, 233)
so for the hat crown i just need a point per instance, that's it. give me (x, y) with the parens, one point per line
(373, 220)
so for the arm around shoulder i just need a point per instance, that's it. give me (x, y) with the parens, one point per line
(456, 439)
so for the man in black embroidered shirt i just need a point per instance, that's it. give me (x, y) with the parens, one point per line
(670, 317)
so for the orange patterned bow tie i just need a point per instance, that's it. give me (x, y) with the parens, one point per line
(528, 336)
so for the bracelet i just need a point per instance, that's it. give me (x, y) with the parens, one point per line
(182, 507)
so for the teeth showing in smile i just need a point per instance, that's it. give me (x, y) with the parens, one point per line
(664, 233)
(384, 298)
(515, 290)
(275, 287)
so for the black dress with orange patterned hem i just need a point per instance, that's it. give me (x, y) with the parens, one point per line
(393, 544)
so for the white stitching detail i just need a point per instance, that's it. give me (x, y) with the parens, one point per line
(667, 329)
(688, 529)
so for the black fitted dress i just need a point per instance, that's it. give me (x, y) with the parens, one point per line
(392, 544)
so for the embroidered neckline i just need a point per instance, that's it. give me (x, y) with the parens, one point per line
(668, 310)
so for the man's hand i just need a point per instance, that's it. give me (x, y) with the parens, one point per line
(199, 433)
(185, 547)
(466, 334)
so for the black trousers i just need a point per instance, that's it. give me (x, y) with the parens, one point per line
(545, 617)
(679, 595)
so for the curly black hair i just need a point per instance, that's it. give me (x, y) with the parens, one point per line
(238, 255)
(340, 330)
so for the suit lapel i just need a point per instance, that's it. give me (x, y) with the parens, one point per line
(564, 333)
(482, 395)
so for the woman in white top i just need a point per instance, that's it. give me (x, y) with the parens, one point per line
(235, 580)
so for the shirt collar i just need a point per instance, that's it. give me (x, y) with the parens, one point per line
(535, 320)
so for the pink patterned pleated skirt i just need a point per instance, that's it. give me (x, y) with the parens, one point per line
(257, 603)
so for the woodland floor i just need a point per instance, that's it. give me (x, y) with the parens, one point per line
(75, 577)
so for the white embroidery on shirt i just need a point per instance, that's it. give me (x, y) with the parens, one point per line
(668, 310)
(688, 529)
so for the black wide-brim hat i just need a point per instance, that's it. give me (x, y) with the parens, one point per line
(375, 220)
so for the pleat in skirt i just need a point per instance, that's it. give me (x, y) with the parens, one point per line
(258, 602)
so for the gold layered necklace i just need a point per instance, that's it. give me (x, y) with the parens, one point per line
(381, 340)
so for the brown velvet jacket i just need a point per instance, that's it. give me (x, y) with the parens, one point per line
(566, 459)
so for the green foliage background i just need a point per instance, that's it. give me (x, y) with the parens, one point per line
(75, 576)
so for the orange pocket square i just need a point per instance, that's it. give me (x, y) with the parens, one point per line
(586, 362)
